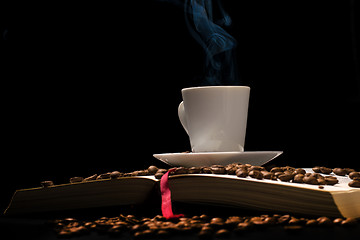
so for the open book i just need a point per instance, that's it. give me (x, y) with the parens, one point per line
(333, 201)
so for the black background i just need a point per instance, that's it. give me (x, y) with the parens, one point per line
(94, 87)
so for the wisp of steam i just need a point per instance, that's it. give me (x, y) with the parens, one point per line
(219, 46)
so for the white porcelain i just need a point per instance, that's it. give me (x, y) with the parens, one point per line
(215, 117)
(257, 158)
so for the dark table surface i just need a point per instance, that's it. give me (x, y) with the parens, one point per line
(38, 227)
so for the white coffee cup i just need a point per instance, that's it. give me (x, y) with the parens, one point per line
(215, 117)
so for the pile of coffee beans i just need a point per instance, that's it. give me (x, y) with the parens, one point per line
(204, 226)
(285, 174)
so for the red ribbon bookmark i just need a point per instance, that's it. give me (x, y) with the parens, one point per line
(166, 206)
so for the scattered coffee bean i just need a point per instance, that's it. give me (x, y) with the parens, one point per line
(338, 221)
(179, 170)
(104, 176)
(276, 169)
(243, 226)
(339, 171)
(316, 169)
(47, 184)
(218, 169)
(76, 179)
(203, 234)
(268, 175)
(222, 233)
(321, 180)
(349, 170)
(353, 175)
(159, 175)
(286, 177)
(206, 170)
(354, 183)
(258, 168)
(162, 170)
(325, 170)
(115, 174)
(311, 222)
(331, 180)
(310, 180)
(194, 170)
(241, 172)
(299, 171)
(324, 221)
(349, 222)
(256, 174)
(299, 178)
(91, 178)
(152, 170)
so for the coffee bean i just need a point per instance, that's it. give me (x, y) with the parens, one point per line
(206, 170)
(204, 217)
(244, 226)
(163, 233)
(152, 170)
(258, 168)
(217, 222)
(159, 175)
(180, 170)
(276, 169)
(241, 172)
(288, 168)
(324, 221)
(256, 174)
(331, 180)
(140, 173)
(353, 175)
(339, 171)
(349, 170)
(218, 169)
(321, 181)
(338, 221)
(284, 219)
(91, 178)
(354, 183)
(161, 170)
(76, 179)
(325, 170)
(268, 175)
(222, 233)
(230, 170)
(311, 222)
(194, 170)
(104, 176)
(232, 222)
(204, 235)
(299, 171)
(298, 178)
(310, 180)
(115, 174)
(286, 177)
(316, 169)
(46, 184)
(349, 222)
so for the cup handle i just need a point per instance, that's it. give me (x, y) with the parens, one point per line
(181, 113)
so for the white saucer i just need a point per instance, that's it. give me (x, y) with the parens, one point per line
(256, 158)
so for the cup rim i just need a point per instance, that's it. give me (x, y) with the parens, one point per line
(210, 87)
